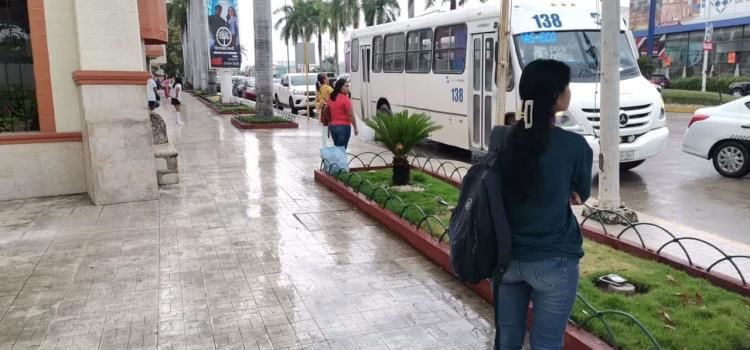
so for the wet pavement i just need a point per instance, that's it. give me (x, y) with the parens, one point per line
(247, 252)
(686, 190)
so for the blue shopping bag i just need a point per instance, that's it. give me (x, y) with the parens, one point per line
(334, 159)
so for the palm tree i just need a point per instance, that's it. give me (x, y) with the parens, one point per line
(323, 10)
(454, 3)
(300, 21)
(399, 133)
(350, 13)
(380, 11)
(263, 60)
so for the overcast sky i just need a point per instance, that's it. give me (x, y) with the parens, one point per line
(245, 15)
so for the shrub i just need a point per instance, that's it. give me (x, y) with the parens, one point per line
(714, 84)
(695, 97)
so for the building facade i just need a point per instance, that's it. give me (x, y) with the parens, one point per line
(680, 34)
(73, 112)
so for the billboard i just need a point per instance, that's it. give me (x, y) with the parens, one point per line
(684, 12)
(223, 34)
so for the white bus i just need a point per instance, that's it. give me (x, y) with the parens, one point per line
(444, 65)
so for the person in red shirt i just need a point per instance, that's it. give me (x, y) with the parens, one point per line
(342, 115)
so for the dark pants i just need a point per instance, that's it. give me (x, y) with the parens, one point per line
(340, 135)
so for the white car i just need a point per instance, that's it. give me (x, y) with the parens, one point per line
(722, 133)
(295, 92)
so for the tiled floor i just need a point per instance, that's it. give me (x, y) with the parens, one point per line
(247, 252)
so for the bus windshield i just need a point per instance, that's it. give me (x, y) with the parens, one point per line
(578, 49)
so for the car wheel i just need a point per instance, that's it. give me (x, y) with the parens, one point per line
(385, 109)
(737, 92)
(291, 105)
(625, 166)
(732, 159)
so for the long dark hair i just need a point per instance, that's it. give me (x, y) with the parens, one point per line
(177, 80)
(337, 88)
(542, 81)
(319, 83)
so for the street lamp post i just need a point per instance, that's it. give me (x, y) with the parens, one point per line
(706, 44)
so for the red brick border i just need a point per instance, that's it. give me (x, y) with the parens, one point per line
(575, 338)
(254, 126)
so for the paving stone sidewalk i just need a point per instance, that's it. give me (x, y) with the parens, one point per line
(247, 252)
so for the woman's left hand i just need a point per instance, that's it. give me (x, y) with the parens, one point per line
(575, 199)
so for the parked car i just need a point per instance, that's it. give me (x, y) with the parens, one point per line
(722, 134)
(739, 89)
(244, 85)
(248, 91)
(295, 92)
(236, 82)
(661, 80)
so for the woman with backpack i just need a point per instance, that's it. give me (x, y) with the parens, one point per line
(324, 93)
(342, 114)
(545, 170)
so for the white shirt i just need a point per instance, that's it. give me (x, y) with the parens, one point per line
(176, 92)
(150, 86)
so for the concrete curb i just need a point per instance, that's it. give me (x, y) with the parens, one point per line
(677, 108)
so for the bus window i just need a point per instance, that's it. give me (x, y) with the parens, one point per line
(393, 59)
(419, 51)
(355, 55)
(377, 54)
(450, 49)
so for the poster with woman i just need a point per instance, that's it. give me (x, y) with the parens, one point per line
(223, 34)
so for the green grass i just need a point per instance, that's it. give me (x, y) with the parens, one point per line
(695, 97)
(425, 200)
(254, 119)
(704, 316)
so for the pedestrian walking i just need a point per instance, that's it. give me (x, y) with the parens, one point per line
(176, 95)
(545, 169)
(151, 93)
(166, 86)
(323, 95)
(342, 114)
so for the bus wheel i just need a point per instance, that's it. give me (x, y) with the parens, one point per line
(385, 109)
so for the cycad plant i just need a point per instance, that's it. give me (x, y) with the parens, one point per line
(399, 133)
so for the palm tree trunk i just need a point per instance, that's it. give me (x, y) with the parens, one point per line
(453, 4)
(411, 8)
(320, 48)
(401, 171)
(307, 84)
(263, 63)
(336, 53)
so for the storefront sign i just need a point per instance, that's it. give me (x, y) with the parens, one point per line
(732, 58)
(708, 46)
(223, 34)
(684, 12)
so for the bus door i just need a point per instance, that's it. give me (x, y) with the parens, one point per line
(482, 105)
(364, 87)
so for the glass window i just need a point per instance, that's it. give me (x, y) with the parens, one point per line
(355, 55)
(477, 65)
(393, 60)
(578, 49)
(18, 111)
(450, 49)
(377, 54)
(489, 60)
(419, 51)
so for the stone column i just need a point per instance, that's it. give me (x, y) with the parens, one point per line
(118, 154)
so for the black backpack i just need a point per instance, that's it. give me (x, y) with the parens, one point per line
(480, 236)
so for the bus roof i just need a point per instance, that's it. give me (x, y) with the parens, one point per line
(576, 15)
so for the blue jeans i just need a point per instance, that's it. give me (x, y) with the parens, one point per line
(340, 135)
(551, 285)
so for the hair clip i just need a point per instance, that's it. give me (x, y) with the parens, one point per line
(527, 113)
